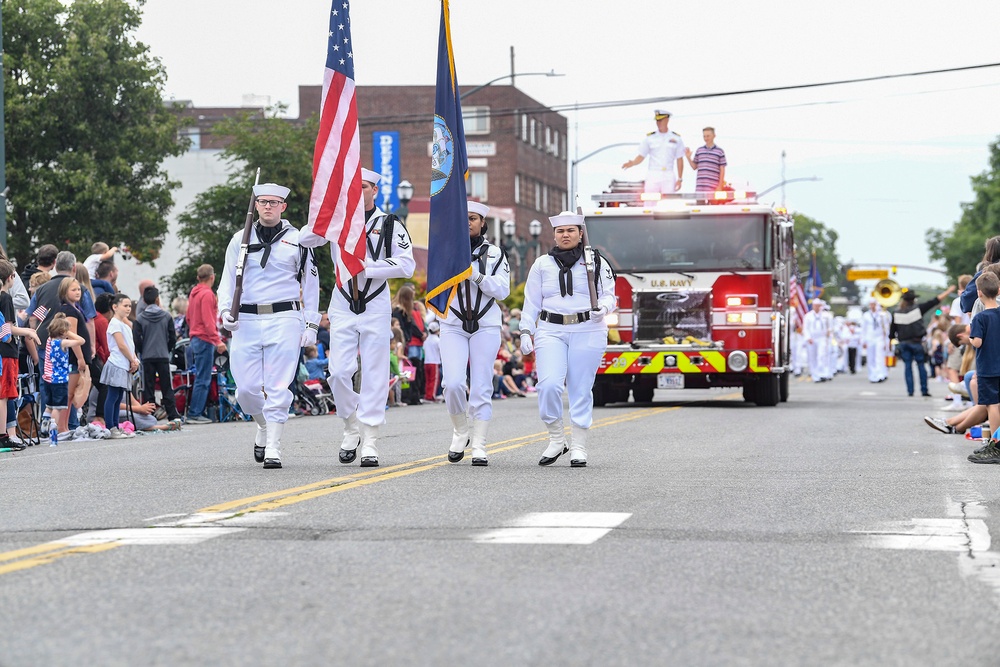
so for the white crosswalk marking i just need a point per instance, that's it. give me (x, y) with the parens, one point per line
(555, 528)
(961, 535)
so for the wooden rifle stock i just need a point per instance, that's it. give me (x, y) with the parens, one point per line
(244, 246)
(590, 263)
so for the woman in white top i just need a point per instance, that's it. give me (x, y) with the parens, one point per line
(122, 363)
(567, 335)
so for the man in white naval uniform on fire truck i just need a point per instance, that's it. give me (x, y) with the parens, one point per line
(875, 339)
(470, 339)
(279, 313)
(569, 338)
(365, 323)
(665, 151)
(816, 329)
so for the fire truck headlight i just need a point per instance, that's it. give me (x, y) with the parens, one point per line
(738, 361)
(748, 318)
(611, 319)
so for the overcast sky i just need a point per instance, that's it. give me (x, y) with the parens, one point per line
(894, 157)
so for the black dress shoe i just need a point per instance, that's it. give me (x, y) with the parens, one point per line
(455, 457)
(258, 454)
(272, 463)
(577, 463)
(479, 462)
(549, 460)
(367, 461)
(348, 455)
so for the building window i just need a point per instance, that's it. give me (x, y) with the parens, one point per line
(564, 206)
(538, 196)
(555, 143)
(478, 187)
(517, 189)
(532, 132)
(548, 139)
(476, 120)
(545, 199)
(524, 127)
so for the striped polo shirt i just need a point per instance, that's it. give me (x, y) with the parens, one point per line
(709, 163)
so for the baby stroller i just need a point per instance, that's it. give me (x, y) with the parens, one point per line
(28, 429)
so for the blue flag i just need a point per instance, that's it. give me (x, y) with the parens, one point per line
(814, 284)
(449, 254)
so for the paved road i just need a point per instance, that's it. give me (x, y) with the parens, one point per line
(834, 529)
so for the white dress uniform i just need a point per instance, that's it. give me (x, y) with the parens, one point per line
(875, 338)
(365, 325)
(661, 150)
(569, 341)
(470, 340)
(280, 298)
(816, 329)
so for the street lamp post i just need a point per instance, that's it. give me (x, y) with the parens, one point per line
(783, 183)
(405, 193)
(535, 229)
(519, 247)
(574, 163)
(507, 76)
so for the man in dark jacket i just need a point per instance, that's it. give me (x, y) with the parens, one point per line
(908, 327)
(154, 341)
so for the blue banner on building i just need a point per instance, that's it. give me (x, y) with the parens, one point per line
(385, 158)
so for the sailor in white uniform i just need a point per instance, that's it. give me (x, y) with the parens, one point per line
(665, 151)
(568, 338)
(875, 338)
(470, 340)
(816, 329)
(364, 323)
(278, 314)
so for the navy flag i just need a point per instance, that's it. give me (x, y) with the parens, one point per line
(449, 258)
(814, 284)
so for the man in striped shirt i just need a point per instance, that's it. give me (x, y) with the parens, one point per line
(710, 162)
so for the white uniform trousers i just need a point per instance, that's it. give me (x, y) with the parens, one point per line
(458, 349)
(264, 356)
(819, 355)
(875, 351)
(657, 183)
(369, 333)
(798, 354)
(564, 358)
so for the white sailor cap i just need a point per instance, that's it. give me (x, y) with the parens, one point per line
(372, 177)
(660, 114)
(819, 301)
(478, 207)
(271, 189)
(566, 218)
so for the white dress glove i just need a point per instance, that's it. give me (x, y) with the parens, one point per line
(228, 323)
(599, 314)
(308, 337)
(527, 347)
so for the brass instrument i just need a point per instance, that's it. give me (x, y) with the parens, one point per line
(887, 292)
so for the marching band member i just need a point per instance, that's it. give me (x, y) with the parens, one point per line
(470, 339)
(816, 329)
(279, 313)
(875, 340)
(567, 337)
(365, 323)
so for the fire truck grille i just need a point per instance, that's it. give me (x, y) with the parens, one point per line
(657, 315)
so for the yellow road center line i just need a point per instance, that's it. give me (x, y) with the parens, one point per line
(48, 558)
(31, 551)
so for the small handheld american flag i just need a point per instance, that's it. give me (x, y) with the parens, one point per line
(39, 315)
(5, 332)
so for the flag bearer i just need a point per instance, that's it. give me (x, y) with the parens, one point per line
(567, 336)
(279, 313)
(470, 340)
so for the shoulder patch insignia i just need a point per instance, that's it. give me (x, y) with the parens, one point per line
(314, 271)
(649, 134)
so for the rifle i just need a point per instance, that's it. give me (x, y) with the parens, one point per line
(589, 262)
(244, 247)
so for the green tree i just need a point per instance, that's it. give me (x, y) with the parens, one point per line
(283, 151)
(961, 247)
(813, 236)
(86, 128)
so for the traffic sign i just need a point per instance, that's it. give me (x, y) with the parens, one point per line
(874, 274)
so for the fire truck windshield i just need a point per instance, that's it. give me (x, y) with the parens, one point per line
(643, 243)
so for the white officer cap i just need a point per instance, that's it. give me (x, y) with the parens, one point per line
(372, 177)
(478, 207)
(660, 114)
(819, 301)
(271, 189)
(566, 218)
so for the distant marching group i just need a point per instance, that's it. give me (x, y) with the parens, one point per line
(278, 313)
(827, 345)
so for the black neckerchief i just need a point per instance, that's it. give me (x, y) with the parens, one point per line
(476, 241)
(266, 236)
(566, 260)
(369, 214)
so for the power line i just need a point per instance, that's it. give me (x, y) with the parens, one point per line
(423, 118)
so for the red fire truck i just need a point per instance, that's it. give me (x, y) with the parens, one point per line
(703, 293)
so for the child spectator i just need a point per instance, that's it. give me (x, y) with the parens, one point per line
(395, 397)
(984, 336)
(432, 359)
(180, 307)
(9, 354)
(315, 366)
(55, 372)
(37, 280)
(99, 252)
(155, 339)
(117, 374)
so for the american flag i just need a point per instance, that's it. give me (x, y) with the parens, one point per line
(40, 313)
(5, 331)
(336, 209)
(798, 300)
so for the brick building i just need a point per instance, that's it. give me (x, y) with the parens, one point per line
(516, 147)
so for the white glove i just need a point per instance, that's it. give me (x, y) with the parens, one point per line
(527, 347)
(228, 323)
(308, 337)
(599, 314)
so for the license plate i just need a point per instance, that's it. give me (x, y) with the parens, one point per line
(671, 381)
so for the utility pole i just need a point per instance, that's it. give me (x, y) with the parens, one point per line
(3, 153)
(782, 178)
(512, 64)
